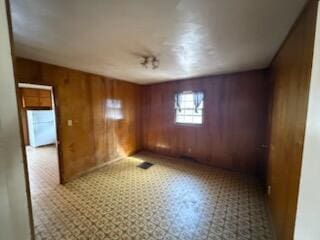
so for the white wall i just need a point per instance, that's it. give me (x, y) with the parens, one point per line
(308, 213)
(14, 216)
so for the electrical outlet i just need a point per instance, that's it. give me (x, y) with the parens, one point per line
(269, 190)
(189, 150)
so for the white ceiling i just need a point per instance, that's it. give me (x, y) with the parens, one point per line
(190, 37)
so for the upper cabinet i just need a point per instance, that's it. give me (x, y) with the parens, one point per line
(36, 98)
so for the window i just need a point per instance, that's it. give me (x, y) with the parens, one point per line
(189, 107)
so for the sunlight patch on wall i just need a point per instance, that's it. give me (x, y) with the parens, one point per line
(114, 109)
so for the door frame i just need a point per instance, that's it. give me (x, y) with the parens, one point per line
(56, 119)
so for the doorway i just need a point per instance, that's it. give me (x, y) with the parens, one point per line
(39, 128)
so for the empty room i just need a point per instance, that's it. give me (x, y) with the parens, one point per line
(172, 119)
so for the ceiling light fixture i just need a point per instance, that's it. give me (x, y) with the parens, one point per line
(150, 61)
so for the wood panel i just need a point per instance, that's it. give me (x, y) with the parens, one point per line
(290, 73)
(234, 127)
(103, 112)
(24, 124)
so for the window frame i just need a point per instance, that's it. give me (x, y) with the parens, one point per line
(190, 124)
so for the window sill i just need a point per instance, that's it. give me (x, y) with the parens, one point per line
(189, 124)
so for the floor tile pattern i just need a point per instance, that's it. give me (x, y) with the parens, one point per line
(174, 199)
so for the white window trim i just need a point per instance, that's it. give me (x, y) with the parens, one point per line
(190, 124)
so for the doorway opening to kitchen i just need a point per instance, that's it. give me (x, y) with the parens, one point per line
(40, 136)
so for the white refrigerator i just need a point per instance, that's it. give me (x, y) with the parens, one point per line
(41, 127)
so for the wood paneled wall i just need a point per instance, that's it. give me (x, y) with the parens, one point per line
(105, 115)
(234, 127)
(24, 125)
(108, 124)
(290, 73)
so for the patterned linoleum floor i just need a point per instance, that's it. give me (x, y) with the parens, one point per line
(174, 199)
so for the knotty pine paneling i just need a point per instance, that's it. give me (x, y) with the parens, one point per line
(105, 114)
(234, 127)
(290, 73)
